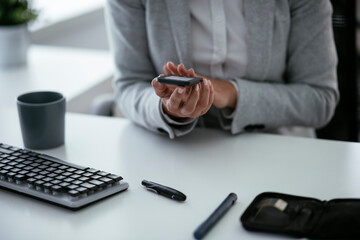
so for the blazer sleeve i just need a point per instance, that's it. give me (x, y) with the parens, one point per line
(134, 94)
(310, 93)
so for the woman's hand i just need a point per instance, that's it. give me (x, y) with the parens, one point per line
(225, 94)
(185, 102)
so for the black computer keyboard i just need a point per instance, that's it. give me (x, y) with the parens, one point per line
(51, 179)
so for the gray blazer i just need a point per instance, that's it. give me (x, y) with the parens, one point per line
(290, 85)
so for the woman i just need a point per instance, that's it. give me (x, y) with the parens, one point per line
(268, 65)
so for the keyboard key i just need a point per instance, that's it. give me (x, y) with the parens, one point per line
(4, 150)
(24, 172)
(87, 174)
(52, 175)
(95, 177)
(24, 151)
(77, 182)
(20, 165)
(47, 179)
(56, 188)
(64, 184)
(71, 169)
(31, 181)
(7, 167)
(10, 175)
(39, 184)
(63, 167)
(20, 177)
(68, 179)
(66, 174)
(38, 160)
(82, 190)
(3, 174)
(115, 177)
(72, 187)
(50, 169)
(34, 154)
(103, 174)
(56, 182)
(47, 187)
(107, 180)
(75, 176)
(80, 172)
(16, 170)
(60, 177)
(3, 145)
(39, 177)
(92, 170)
(55, 165)
(84, 179)
(97, 183)
(28, 168)
(58, 171)
(74, 193)
(44, 173)
(88, 186)
(30, 175)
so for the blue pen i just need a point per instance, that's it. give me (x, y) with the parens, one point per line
(201, 231)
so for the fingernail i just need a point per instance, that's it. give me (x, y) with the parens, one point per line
(197, 88)
(180, 90)
(206, 81)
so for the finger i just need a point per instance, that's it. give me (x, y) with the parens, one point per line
(175, 101)
(166, 70)
(202, 104)
(172, 68)
(210, 100)
(182, 70)
(190, 105)
(160, 89)
(191, 72)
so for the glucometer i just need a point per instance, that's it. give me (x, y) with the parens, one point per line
(179, 80)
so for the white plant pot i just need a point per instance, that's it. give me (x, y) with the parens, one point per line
(14, 44)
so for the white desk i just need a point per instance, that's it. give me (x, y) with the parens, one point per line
(78, 74)
(206, 165)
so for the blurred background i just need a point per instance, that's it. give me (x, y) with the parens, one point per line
(70, 29)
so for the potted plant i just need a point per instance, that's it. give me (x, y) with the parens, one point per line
(14, 35)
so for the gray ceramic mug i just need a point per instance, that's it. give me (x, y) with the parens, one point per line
(42, 119)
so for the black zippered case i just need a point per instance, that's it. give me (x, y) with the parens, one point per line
(303, 217)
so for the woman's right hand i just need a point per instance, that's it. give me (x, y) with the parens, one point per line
(185, 102)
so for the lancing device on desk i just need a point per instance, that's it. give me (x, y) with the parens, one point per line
(201, 231)
(164, 190)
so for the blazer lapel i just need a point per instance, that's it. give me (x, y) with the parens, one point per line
(179, 18)
(259, 19)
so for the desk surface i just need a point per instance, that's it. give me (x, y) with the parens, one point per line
(69, 71)
(206, 165)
